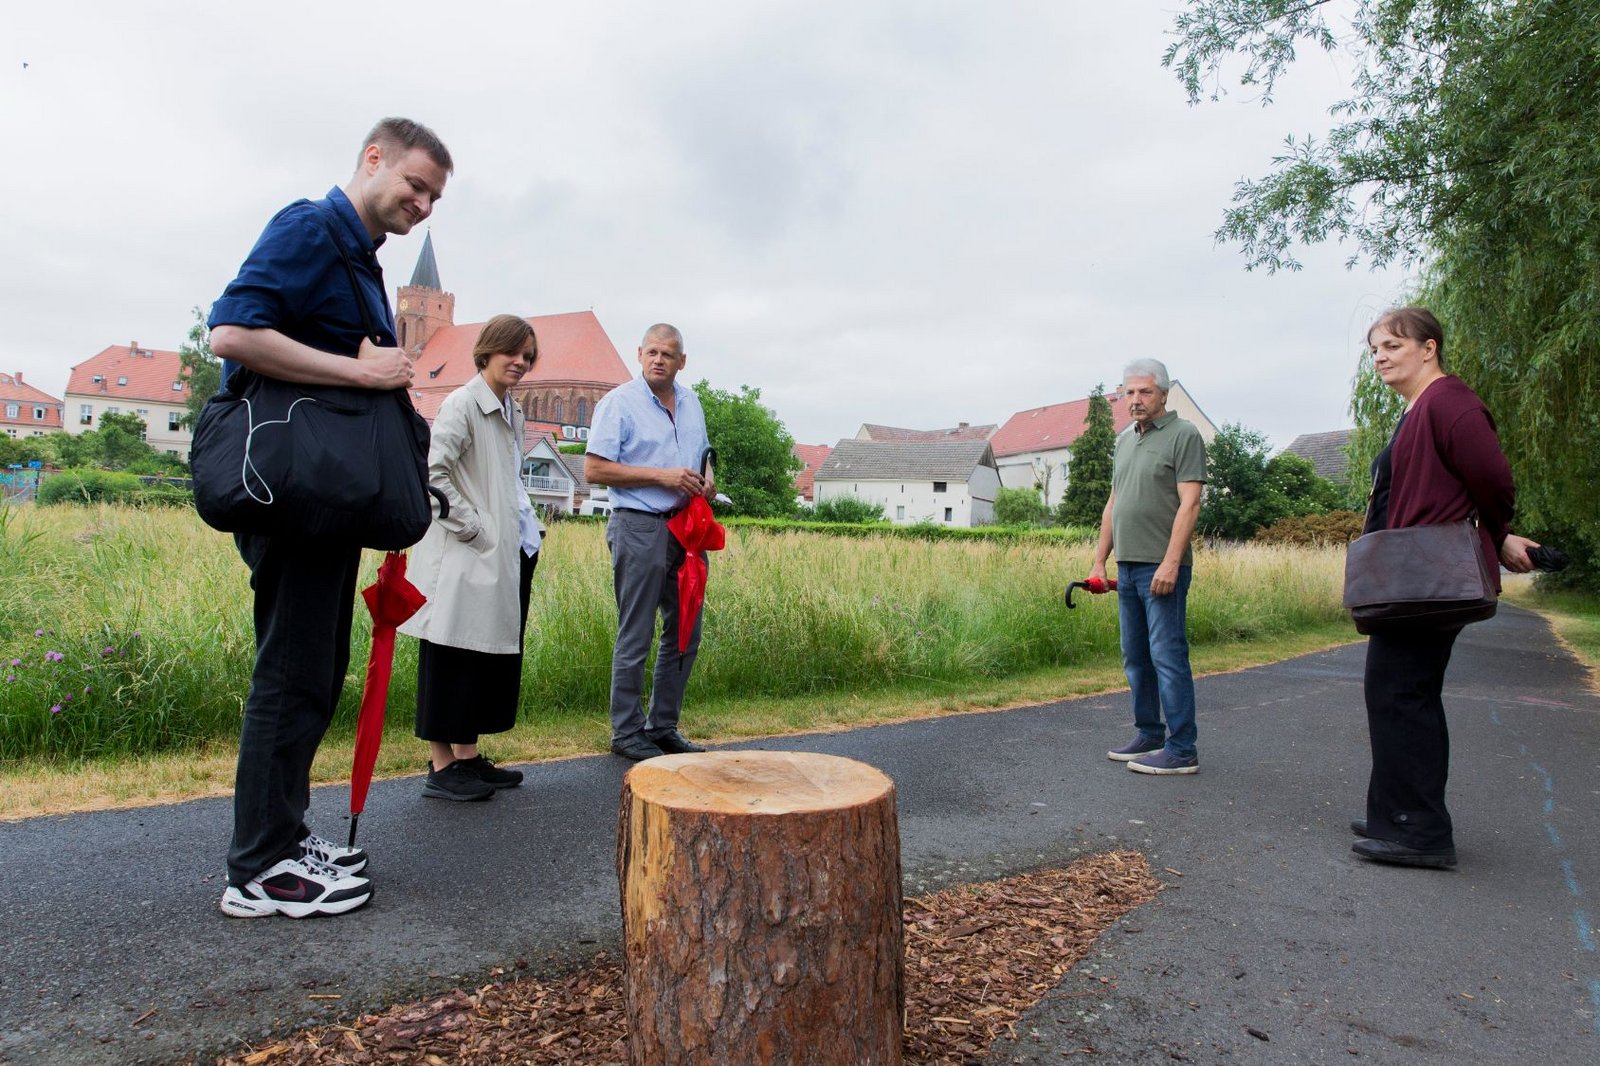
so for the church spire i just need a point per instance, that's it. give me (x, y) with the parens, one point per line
(427, 273)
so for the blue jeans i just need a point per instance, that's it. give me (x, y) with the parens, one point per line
(1155, 654)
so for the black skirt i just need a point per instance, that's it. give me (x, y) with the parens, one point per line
(463, 694)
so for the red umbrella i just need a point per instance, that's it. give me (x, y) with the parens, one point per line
(698, 532)
(391, 600)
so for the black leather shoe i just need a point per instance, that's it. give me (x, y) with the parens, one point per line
(637, 747)
(1400, 855)
(1359, 827)
(675, 743)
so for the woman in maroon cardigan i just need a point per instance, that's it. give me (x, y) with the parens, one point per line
(1443, 464)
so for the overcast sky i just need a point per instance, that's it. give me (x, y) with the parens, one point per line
(913, 213)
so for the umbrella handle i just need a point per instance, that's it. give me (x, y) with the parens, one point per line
(444, 501)
(355, 819)
(707, 457)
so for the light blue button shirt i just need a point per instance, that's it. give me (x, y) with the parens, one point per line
(633, 428)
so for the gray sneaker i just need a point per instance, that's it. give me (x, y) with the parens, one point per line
(1164, 762)
(1133, 749)
(456, 782)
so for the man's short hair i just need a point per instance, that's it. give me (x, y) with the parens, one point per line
(1148, 368)
(404, 134)
(663, 331)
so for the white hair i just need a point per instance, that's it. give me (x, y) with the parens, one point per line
(1148, 368)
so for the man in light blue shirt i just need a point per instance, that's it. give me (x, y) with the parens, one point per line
(646, 446)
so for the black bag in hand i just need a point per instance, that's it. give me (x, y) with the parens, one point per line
(277, 458)
(292, 460)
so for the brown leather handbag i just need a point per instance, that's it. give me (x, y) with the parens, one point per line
(1419, 577)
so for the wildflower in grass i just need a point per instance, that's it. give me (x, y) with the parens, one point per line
(56, 709)
(16, 662)
(38, 632)
(11, 677)
(53, 656)
(107, 650)
(87, 689)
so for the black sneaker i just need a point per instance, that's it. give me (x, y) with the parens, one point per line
(490, 774)
(456, 782)
(297, 888)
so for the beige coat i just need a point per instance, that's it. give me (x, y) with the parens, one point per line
(467, 564)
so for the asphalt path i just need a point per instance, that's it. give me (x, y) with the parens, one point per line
(1272, 943)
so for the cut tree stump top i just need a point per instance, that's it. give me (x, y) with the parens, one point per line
(757, 782)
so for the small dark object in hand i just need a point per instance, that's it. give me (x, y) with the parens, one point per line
(1547, 558)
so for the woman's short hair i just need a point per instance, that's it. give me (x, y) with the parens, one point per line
(503, 335)
(1414, 324)
(1148, 368)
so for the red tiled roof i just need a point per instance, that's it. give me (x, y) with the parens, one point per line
(813, 455)
(894, 434)
(1043, 429)
(149, 372)
(572, 347)
(14, 390)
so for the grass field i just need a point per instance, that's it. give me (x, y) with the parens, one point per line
(128, 641)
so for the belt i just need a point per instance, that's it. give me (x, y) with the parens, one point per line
(653, 514)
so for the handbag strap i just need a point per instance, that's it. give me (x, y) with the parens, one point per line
(371, 329)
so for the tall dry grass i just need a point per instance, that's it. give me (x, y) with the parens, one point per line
(126, 632)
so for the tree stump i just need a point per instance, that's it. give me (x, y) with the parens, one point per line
(760, 910)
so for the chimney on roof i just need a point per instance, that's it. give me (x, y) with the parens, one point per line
(963, 425)
(17, 377)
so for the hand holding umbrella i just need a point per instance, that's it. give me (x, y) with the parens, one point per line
(1095, 585)
(699, 532)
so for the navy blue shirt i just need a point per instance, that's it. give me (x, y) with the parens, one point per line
(295, 282)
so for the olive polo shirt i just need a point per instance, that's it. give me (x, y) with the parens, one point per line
(1145, 472)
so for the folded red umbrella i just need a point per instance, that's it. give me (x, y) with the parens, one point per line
(698, 532)
(391, 600)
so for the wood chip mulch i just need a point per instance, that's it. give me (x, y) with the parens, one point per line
(977, 957)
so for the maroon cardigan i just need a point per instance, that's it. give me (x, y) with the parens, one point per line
(1447, 463)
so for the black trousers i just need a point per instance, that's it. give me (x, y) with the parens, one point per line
(1410, 740)
(304, 601)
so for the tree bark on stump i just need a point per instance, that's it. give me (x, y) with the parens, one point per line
(760, 910)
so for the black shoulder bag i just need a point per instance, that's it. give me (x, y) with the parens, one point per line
(314, 461)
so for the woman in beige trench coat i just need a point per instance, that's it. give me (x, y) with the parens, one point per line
(476, 567)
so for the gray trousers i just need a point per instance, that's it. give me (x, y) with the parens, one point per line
(644, 561)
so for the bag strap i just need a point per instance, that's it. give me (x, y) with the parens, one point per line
(368, 326)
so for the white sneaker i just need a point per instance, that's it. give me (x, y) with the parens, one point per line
(297, 888)
(341, 858)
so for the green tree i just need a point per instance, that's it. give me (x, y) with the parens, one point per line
(1467, 146)
(1019, 507)
(756, 463)
(203, 368)
(1246, 491)
(1089, 468)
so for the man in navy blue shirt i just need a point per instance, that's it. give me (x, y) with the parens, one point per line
(292, 313)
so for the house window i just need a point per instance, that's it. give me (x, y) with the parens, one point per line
(12, 410)
(123, 380)
(555, 409)
(949, 514)
(38, 414)
(98, 378)
(177, 386)
(172, 421)
(900, 513)
(939, 486)
(583, 413)
(113, 410)
(85, 415)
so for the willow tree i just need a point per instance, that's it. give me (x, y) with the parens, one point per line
(1468, 148)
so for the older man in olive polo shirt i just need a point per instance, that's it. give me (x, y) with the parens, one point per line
(1158, 471)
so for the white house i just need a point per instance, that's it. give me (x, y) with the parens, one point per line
(131, 380)
(1034, 447)
(950, 484)
(545, 474)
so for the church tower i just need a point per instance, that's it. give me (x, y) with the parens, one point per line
(423, 307)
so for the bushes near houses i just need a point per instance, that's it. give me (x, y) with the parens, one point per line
(849, 509)
(1314, 530)
(87, 486)
(1019, 507)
